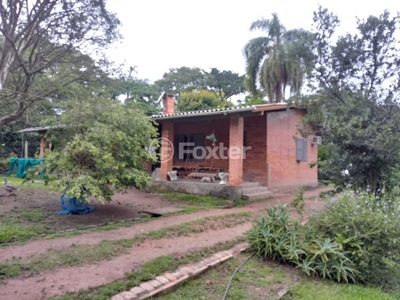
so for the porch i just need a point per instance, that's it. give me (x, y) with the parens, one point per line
(248, 191)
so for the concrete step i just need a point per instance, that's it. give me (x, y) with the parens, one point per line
(255, 189)
(259, 195)
(250, 184)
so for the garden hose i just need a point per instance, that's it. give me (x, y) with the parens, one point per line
(233, 275)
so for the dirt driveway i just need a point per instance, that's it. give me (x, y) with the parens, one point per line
(45, 284)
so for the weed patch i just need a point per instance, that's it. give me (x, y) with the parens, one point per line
(11, 231)
(33, 215)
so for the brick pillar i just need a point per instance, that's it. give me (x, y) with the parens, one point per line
(236, 150)
(167, 150)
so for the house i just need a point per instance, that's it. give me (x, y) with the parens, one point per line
(255, 145)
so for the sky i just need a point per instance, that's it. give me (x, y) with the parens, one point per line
(159, 34)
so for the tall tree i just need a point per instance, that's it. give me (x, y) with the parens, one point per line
(357, 110)
(183, 79)
(226, 82)
(137, 92)
(40, 35)
(278, 60)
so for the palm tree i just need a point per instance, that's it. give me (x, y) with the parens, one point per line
(279, 60)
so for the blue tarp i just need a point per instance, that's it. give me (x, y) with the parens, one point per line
(73, 206)
(23, 165)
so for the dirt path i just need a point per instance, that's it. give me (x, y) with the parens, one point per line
(72, 279)
(60, 281)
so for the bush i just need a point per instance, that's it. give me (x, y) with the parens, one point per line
(275, 237)
(368, 229)
(353, 239)
(4, 164)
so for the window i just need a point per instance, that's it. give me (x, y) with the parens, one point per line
(301, 150)
(190, 147)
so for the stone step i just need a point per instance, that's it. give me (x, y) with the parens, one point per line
(250, 184)
(259, 195)
(256, 189)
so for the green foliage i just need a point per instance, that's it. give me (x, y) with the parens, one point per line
(136, 93)
(104, 151)
(275, 237)
(226, 83)
(354, 239)
(11, 232)
(298, 202)
(201, 100)
(323, 290)
(254, 100)
(367, 229)
(41, 46)
(185, 79)
(33, 215)
(356, 109)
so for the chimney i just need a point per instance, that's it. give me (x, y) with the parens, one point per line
(168, 104)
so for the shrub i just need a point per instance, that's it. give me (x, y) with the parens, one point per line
(275, 237)
(354, 239)
(368, 229)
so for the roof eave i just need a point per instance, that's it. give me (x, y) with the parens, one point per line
(203, 113)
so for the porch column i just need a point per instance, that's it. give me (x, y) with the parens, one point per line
(167, 149)
(43, 144)
(236, 150)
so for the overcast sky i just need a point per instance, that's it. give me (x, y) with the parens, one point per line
(160, 34)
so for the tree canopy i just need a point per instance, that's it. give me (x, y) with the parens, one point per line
(278, 60)
(185, 79)
(356, 109)
(40, 40)
(201, 100)
(100, 148)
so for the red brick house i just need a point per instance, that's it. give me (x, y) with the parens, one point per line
(273, 152)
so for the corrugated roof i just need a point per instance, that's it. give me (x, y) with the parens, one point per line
(39, 129)
(197, 113)
(205, 112)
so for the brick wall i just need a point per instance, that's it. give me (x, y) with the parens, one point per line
(255, 163)
(286, 172)
(271, 138)
(220, 127)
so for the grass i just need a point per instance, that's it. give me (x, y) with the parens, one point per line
(32, 215)
(86, 254)
(147, 271)
(71, 256)
(324, 290)
(258, 279)
(11, 231)
(14, 228)
(197, 200)
(39, 184)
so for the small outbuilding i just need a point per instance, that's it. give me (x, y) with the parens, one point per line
(253, 144)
